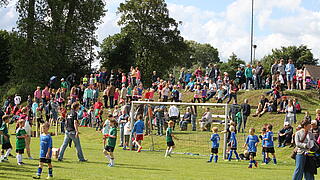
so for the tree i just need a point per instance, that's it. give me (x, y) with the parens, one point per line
(232, 65)
(4, 56)
(3, 3)
(203, 54)
(300, 55)
(155, 36)
(117, 52)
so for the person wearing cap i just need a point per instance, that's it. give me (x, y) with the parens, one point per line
(285, 135)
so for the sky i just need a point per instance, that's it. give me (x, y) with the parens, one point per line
(225, 24)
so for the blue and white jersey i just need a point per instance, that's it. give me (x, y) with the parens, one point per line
(45, 143)
(251, 141)
(269, 139)
(215, 140)
(233, 140)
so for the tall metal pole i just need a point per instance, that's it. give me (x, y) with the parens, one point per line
(251, 44)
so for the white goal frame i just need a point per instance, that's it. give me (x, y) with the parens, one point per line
(225, 116)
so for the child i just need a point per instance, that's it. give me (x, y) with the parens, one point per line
(127, 132)
(233, 143)
(169, 139)
(252, 142)
(204, 93)
(138, 129)
(116, 96)
(112, 138)
(215, 145)
(45, 151)
(6, 145)
(262, 137)
(197, 94)
(20, 142)
(106, 129)
(269, 145)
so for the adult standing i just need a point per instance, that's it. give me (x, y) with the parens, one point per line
(274, 70)
(72, 133)
(17, 100)
(304, 140)
(133, 76)
(290, 113)
(281, 69)
(45, 95)
(246, 110)
(248, 74)
(110, 94)
(37, 94)
(259, 75)
(290, 70)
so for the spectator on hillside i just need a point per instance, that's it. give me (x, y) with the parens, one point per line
(290, 71)
(290, 113)
(248, 74)
(233, 89)
(262, 107)
(283, 104)
(17, 100)
(297, 105)
(198, 73)
(205, 122)
(274, 70)
(285, 135)
(246, 110)
(281, 70)
(37, 94)
(238, 81)
(259, 75)
(315, 129)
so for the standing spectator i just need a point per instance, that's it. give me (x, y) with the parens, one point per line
(282, 71)
(233, 92)
(64, 84)
(290, 71)
(154, 77)
(290, 113)
(17, 100)
(72, 133)
(88, 96)
(122, 120)
(248, 74)
(304, 141)
(45, 95)
(274, 70)
(174, 114)
(259, 75)
(246, 110)
(133, 76)
(110, 94)
(300, 79)
(37, 94)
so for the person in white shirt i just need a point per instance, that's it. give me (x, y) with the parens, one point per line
(17, 99)
(206, 120)
(127, 132)
(174, 114)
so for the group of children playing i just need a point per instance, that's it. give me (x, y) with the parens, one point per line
(251, 144)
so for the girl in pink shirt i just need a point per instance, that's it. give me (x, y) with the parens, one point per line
(116, 96)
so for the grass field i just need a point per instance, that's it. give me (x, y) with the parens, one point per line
(153, 165)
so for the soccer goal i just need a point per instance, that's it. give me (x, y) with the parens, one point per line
(193, 140)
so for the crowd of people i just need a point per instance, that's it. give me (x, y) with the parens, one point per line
(83, 105)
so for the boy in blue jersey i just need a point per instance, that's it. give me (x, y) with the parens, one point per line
(138, 129)
(252, 142)
(269, 146)
(215, 145)
(233, 142)
(45, 151)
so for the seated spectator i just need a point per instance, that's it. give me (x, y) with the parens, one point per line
(283, 104)
(285, 135)
(262, 107)
(190, 85)
(315, 129)
(293, 144)
(272, 105)
(318, 116)
(185, 120)
(205, 122)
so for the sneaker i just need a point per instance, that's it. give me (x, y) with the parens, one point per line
(50, 177)
(250, 166)
(20, 163)
(36, 177)
(60, 160)
(110, 165)
(83, 160)
(209, 161)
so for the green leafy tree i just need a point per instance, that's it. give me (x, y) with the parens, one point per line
(117, 52)
(203, 54)
(300, 55)
(5, 48)
(155, 36)
(232, 65)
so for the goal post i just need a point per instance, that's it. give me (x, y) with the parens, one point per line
(224, 116)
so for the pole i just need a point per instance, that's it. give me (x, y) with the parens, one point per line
(225, 134)
(254, 52)
(251, 44)
(131, 124)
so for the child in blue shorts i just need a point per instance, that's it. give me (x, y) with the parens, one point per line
(215, 145)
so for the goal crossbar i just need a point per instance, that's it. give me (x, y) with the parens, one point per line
(225, 116)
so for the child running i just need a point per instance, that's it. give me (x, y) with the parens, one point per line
(45, 151)
(112, 138)
(138, 129)
(6, 145)
(215, 145)
(252, 142)
(269, 145)
(20, 141)
(233, 142)
(169, 139)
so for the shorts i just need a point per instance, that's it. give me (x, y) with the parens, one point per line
(252, 154)
(6, 146)
(109, 148)
(170, 143)
(289, 77)
(214, 150)
(44, 160)
(20, 151)
(139, 137)
(264, 149)
(270, 150)
(126, 138)
(233, 148)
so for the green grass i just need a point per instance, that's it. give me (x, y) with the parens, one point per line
(153, 165)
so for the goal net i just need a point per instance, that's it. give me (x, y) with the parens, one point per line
(188, 142)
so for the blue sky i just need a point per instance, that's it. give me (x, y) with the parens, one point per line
(225, 24)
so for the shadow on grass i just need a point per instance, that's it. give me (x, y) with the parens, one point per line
(130, 166)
